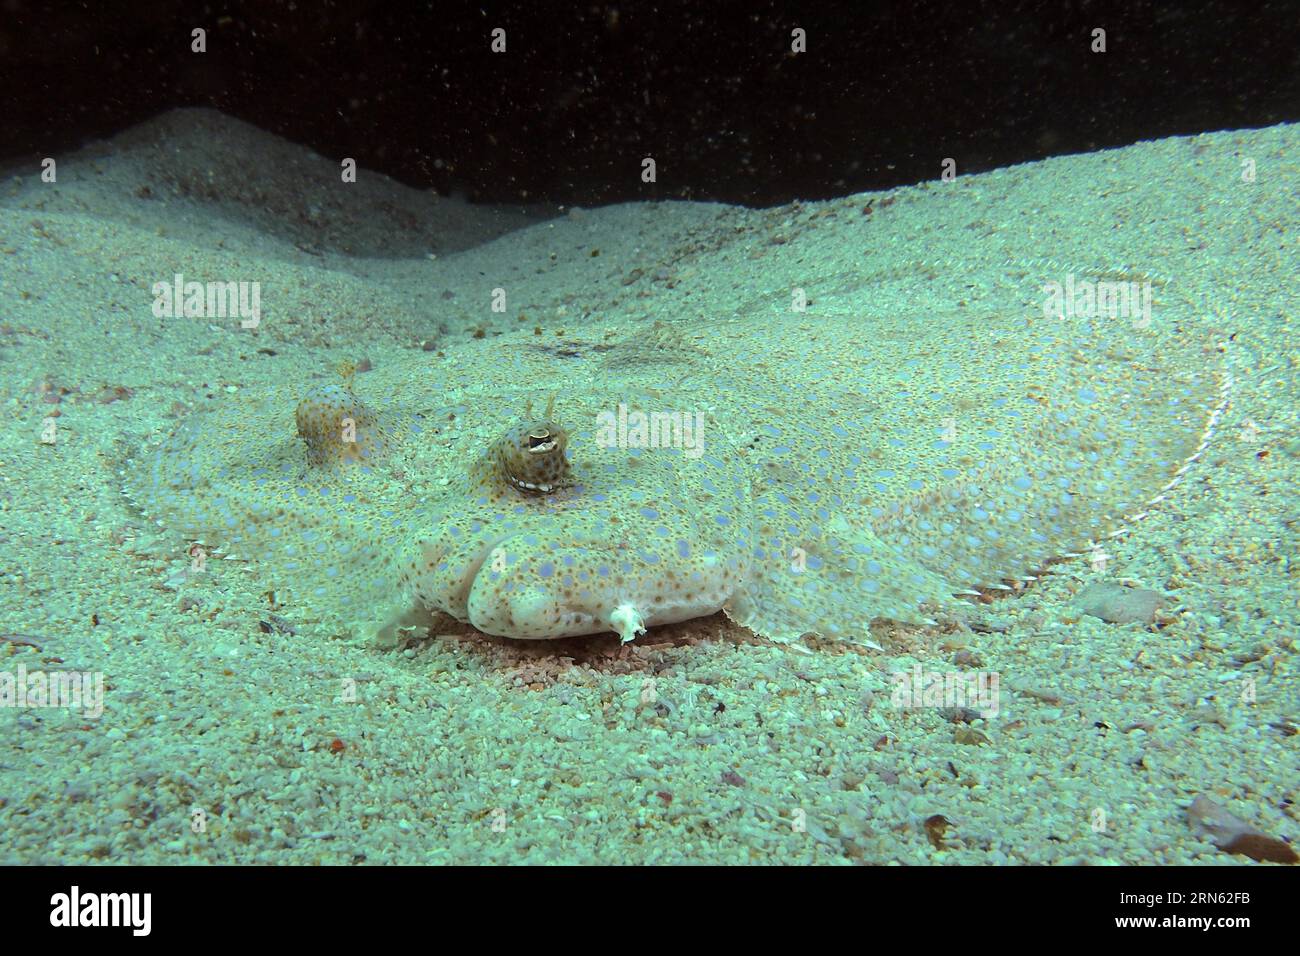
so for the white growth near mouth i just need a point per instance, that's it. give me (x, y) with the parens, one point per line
(627, 621)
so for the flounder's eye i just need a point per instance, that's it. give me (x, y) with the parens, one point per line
(540, 441)
(337, 428)
(531, 457)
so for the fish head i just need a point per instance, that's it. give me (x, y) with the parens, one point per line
(563, 531)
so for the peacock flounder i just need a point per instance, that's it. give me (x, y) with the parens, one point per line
(800, 472)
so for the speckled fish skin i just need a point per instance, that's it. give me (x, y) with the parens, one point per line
(654, 531)
(851, 469)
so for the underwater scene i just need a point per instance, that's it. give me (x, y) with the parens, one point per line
(354, 519)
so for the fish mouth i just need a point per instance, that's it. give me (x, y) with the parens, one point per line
(523, 598)
(529, 613)
(448, 571)
(576, 587)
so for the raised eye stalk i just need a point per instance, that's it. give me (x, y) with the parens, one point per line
(337, 428)
(531, 458)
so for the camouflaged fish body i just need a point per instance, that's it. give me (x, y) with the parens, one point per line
(804, 473)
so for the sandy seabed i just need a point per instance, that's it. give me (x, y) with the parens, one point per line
(234, 732)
